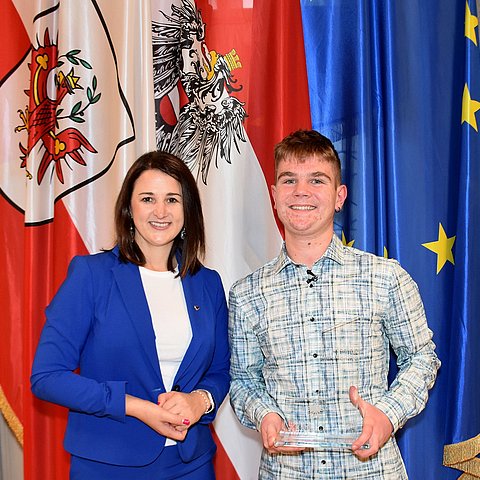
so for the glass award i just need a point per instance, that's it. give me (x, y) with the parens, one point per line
(317, 440)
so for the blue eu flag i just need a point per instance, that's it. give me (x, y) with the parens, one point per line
(396, 85)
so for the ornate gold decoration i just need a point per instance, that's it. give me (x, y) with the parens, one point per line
(10, 417)
(463, 457)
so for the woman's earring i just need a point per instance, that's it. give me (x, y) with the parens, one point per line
(132, 225)
(183, 233)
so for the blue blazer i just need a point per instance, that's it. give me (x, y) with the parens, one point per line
(100, 323)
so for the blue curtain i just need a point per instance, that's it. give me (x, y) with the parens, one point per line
(387, 83)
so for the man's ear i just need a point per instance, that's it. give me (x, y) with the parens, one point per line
(273, 189)
(341, 197)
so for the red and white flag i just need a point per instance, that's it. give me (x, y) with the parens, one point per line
(77, 109)
(78, 105)
(230, 82)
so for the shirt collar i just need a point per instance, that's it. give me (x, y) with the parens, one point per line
(335, 251)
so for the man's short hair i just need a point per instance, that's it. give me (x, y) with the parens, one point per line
(303, 144)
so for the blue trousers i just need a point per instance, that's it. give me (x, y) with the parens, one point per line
(167, 466)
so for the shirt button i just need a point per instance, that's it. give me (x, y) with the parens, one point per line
(315, 355)
(320, 429)
(176, 388)
(312, 319)
(323, 462)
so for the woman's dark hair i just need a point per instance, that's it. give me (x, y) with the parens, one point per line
(193, 245)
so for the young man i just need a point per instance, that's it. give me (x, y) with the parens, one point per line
(311, 330)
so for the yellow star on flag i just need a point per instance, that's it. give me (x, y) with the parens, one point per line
(471, 22)
(344, 241)
(469, 107)
(442, 247)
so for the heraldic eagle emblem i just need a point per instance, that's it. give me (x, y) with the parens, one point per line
(208, 122)
(44, 111)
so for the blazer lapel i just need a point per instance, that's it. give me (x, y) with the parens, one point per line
(194, 296)
(130, 285)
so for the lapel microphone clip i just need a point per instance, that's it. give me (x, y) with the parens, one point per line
(311, 277)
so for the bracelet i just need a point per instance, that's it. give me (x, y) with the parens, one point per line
(207, 398)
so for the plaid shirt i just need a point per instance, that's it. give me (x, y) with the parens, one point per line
(297, 347)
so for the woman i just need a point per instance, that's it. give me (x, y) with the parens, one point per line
(146, 325)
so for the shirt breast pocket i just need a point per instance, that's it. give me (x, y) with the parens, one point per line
(281, 342)
(353, 347)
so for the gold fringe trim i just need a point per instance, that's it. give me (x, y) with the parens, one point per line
(10, 417)
(463, 457)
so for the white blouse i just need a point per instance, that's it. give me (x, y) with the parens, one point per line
(171, 323)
